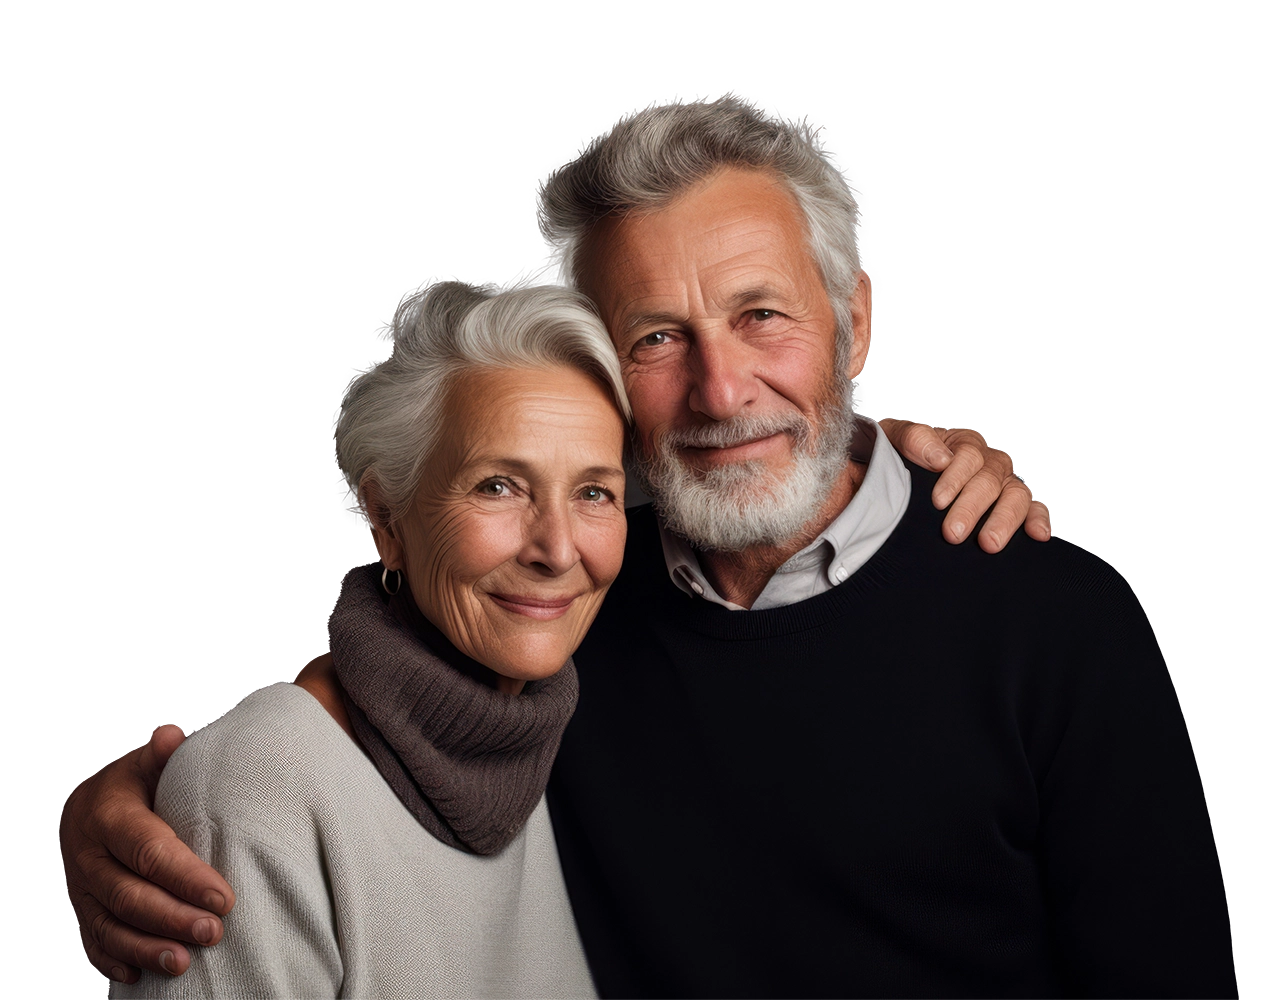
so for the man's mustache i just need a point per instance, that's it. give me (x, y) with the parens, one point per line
(738, 430)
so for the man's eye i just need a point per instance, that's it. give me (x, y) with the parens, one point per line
(653, 339)
(763, 314)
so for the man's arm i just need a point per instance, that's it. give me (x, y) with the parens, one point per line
(114, 847)
(974, 476)
(233, 795)
(131, 880)
(1136, 899)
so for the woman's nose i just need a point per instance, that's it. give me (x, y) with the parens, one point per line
(549, 542)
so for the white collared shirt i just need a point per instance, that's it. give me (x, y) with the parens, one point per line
(844, 546)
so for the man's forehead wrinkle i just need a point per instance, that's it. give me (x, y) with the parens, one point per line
(747, 276)
(670, 266)
(648, 298)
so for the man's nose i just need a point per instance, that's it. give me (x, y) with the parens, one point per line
(549, 539)
(725, 380)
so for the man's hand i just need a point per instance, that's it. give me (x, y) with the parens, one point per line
(975, 477)
(131, 880)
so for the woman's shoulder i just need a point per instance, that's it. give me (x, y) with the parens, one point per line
(280, 719)
(277, 751)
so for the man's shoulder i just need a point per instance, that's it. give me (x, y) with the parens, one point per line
(1064, 563)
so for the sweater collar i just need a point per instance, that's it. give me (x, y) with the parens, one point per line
(469, 762)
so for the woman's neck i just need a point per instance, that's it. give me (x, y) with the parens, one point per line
(319, 679)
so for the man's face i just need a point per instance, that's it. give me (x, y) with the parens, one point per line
(726, 337)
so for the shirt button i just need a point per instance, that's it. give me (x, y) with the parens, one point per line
(842, 574)
(696, 587)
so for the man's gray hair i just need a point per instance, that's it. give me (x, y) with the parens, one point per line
(391, 417)
(651, 157)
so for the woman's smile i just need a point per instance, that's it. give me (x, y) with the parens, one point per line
(543, 608)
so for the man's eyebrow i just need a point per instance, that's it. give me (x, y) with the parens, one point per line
(754, 293)
(641, 319)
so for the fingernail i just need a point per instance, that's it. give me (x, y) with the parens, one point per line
(204, 930)
(936, 457)
(958, 530)
(117, 974)
(166, 960)
(213, 900)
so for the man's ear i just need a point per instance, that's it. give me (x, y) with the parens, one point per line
(384, 531)
(860, 312)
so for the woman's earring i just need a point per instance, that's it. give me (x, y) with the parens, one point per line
(398, 581)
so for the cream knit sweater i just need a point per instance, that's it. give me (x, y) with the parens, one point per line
(341, 893)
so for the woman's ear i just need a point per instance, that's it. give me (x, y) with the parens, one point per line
(384, 531)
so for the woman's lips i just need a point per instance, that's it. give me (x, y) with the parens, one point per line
(541, 608)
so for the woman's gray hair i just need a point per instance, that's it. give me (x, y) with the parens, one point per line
(651, 157)
(391, 417)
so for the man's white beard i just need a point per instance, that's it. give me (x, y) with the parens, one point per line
(742, 504)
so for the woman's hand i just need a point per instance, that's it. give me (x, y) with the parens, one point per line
(132, 882)
(974, 477)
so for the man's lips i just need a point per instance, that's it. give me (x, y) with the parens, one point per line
(541, 608)
(742, 451)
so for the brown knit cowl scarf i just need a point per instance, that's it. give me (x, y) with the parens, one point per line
(469, 762)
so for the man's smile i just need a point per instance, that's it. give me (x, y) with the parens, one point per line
(744, 451)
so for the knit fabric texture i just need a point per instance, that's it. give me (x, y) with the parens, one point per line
(955, 774)
(341, 891)
(468, 761)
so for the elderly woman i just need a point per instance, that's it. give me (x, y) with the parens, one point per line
(384, 823)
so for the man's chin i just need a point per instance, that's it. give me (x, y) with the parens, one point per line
(735, 507)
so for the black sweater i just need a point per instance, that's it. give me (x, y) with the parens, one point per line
(953, 775)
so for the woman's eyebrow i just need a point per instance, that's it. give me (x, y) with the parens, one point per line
(524, 467)
(603, 472)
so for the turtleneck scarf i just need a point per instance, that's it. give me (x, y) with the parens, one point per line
(469, 762)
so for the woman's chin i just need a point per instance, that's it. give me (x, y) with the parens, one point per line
(531, 668)
(529, 654)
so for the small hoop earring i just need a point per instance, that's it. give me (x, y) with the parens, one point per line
(398, 581)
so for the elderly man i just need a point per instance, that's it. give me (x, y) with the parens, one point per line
(795, 767)
(815, 796)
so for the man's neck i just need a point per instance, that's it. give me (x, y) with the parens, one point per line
(739, 577)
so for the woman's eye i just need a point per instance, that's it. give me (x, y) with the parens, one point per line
(592, 494)
(493, 488)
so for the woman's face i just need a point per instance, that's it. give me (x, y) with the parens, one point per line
(517, 530)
